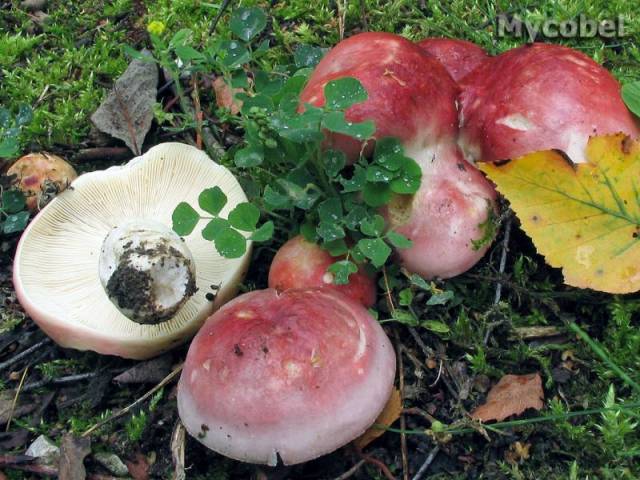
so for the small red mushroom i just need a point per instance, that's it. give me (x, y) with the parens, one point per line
(291, 375)
(302, 264)
(41, 176)
(413, 98)
(459, 57)
(539, 97)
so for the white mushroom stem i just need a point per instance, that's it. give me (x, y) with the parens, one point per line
(146, 270)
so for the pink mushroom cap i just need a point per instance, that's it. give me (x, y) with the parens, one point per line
(302, 264)
(413, 98)
(459, 57)
(293, 375)
(539, 97)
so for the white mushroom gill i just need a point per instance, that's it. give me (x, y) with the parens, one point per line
(58, 260)
(147, 271)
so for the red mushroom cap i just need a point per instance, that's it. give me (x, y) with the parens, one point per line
(295, 374)
(302, 264)
(539, 97)
(413, 98)
(459, 57)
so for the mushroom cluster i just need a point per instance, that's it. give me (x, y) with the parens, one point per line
(99, 268)
(298, 370)
(412, 97)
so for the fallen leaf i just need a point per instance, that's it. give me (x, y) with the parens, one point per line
(151, 371)
(127, 112)
(139, 467)
(512, 395)
(584, 218)
(225, 95)
(73, 450)
(389, 414)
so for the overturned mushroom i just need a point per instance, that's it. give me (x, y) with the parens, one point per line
(291, 375)
(41, 176)
(100, 268)
(413, 98)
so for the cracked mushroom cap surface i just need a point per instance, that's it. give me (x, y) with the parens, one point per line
(539, 97)
(289, 376)
(108, 239)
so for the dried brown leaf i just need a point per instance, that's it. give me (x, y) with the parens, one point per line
(224, 96)
(127, 112)
(389, 414)
(512, 395)
(73, 450)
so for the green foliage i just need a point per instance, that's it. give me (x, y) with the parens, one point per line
(631, 96)
(137, 423)
(13, 214)
(226, 234)
(136, 426)
(335, 206)
(11, 128)
(57, 368)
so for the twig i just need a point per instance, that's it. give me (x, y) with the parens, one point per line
(403, 420)
(379, 464)
(342, 16)
(102, 153)
(15, 398)
(62, 380)
(214, 24)
(503, 258)
(195, 96)
(363, 14)
(211, 144)
(25, 463)
(427, 463)
(427, 351)
(351, 471)
(16, 358)
(177, 451)
(128, 408)
(420, 413)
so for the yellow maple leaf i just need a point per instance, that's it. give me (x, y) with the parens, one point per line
(389, 414)
(584, 218)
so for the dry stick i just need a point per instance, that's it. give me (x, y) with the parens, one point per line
(211, 144)
(195, 96)
(102, 153)
(64, 380)
(128, 408)
(351, 471)
(24, 463)
(403, 421)
(15, 398)
(503, 263)
(503, 258)
(177, 451)
(23, 354)
(427, 463)
(379, 464)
